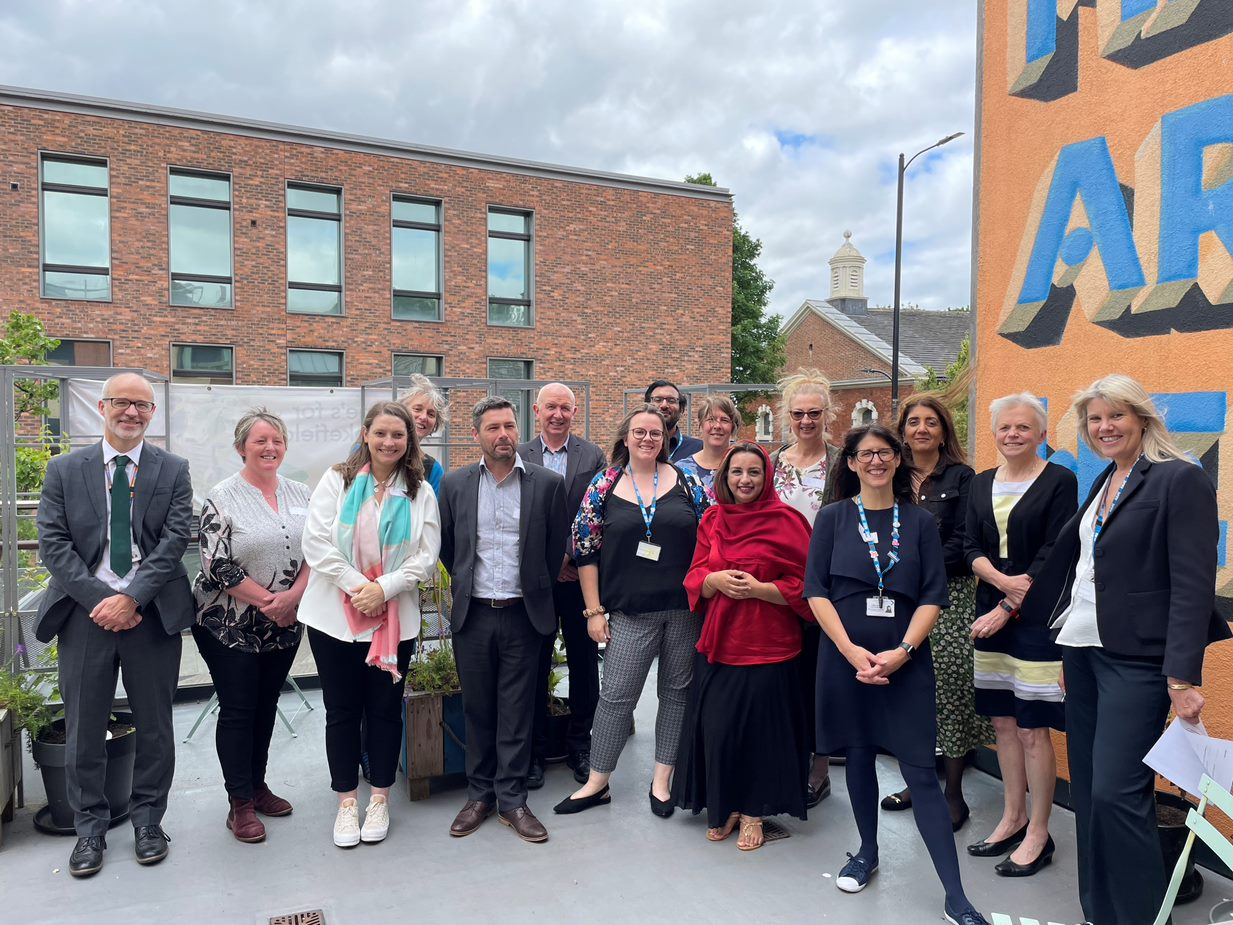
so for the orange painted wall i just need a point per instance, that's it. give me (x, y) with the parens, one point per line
(1120, 96)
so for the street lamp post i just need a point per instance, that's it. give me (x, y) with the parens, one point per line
(903, 168)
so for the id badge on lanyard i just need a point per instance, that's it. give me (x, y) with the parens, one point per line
(647, 549)
(882, 605)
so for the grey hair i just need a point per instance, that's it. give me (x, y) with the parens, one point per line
(490, 403)
(421, 385)
(1000, 406)
(244, 426)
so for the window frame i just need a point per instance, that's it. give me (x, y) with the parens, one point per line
(342, 366)
(529, 238)
(439, 228)
(440, 358)
(289, 212)
(171, 364)
(228, 207)
(95, 160)
(528, 398)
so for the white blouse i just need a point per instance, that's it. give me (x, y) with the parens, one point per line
(1078, 620)
(332, 575)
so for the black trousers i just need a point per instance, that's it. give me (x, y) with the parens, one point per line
(354, 691)
(498, 654)
(807, 673)
(90, 659)
(1115, 711)
(582, 659)
(248, 685)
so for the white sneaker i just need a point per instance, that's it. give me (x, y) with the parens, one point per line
(347, 825)
(376, 821)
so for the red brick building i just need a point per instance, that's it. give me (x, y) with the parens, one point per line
(231, 251)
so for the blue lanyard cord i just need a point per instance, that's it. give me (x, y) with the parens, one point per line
(648, 514)
(1102, 517)
(893, 556)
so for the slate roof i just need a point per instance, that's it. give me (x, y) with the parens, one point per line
(930, 338)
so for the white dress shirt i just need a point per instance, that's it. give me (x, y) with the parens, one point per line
(104, 573)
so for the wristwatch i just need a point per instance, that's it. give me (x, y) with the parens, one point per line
(907, 647)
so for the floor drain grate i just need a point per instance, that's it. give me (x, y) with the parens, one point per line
(309, 917)
(773, 831)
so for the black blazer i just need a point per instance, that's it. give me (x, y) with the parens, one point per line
(73, 524)
(541, 535)
(583, 461)
(1155, 568)
(1034, 524)
(945, 495)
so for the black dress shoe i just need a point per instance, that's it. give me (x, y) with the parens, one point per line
(535, 776)
(956, 822)
(1009, 868)
(580, 762)
(87, 857)
(150, 843)
(993, 849)
(569, 805)
(661, 808)
(815, 795)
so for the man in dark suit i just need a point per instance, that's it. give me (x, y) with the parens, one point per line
(577, 461)
(113, 523)
(502, 532)
(671, 402)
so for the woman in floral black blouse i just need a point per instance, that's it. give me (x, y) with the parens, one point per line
(252, 578)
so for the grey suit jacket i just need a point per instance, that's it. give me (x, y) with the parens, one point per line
(541, 534)
(73, 525)
(583, 461)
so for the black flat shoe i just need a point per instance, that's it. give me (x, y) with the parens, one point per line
(535, 775)
(897, 802)
(815, 795)
(993, 849)
(87, 857)
(661, 808)
(569, 805)
(956, 822)
(150, 843)
(1009, 868)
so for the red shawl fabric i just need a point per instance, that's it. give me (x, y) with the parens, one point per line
(769, 540)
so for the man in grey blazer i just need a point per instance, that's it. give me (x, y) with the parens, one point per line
(502, 522)
(578, 461)
(113, 524)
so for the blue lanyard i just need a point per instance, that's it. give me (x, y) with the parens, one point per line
(893, 556)
(1100, 518)
(647, 515)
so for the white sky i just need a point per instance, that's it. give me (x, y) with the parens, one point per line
(801, 109)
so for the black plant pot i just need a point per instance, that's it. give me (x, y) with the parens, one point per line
(51, 757)
(1173, 839)
(556, 748)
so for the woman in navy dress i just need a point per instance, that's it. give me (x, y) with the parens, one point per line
(876, 582)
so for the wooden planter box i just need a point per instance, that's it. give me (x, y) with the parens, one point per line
(436, 742)
(12, 793)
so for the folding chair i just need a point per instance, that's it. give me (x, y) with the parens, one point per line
(1211, 792)
(212, 705)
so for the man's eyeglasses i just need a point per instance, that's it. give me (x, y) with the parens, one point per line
(641, 433)
(123, 404)
(886, 454)
(665, 400)
(814, 414)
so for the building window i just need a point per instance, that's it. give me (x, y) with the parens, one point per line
(317, 368)
(81, 353)
(76, 230)
(766, 424)
(515, 369)
(199, 221)
(406, 364)
(509, 268)
(864, 412)
(314, 250)
(415, 243)
(208, 364)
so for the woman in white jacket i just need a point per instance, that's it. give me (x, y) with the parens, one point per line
(373, 534)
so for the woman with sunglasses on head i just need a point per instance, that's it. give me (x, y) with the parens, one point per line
(876, 582)
(633, 541)
(803, 474)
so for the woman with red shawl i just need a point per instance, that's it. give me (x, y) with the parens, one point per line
(744, 748)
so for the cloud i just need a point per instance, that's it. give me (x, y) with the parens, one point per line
(800, 109)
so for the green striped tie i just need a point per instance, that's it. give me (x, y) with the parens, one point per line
(121, 520)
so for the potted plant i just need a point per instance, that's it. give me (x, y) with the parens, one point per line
(556, 746)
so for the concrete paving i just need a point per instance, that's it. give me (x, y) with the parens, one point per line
(617, 863)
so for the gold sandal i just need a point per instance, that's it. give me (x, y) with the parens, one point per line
(750, 827)
(725, 830)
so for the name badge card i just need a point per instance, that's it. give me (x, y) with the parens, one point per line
(879, 606)
(868, 537)
(648, 550)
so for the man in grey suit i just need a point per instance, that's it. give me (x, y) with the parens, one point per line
(502, 522)
(113, 523)
(577, 461)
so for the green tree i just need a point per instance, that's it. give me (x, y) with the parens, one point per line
(757, 343)
(952, 388)
(25, 342)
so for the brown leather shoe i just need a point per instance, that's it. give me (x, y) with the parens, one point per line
(243, 822)
(270, 804)
(524, 824)
(470, 817)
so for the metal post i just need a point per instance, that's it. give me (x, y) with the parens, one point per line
(895, 316)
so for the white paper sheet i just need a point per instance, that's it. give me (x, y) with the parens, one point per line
(1186, 752)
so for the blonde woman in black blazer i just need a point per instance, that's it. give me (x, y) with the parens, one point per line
(1129, 593)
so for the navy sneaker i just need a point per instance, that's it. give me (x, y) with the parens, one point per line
(965, 916)
(855, 875)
